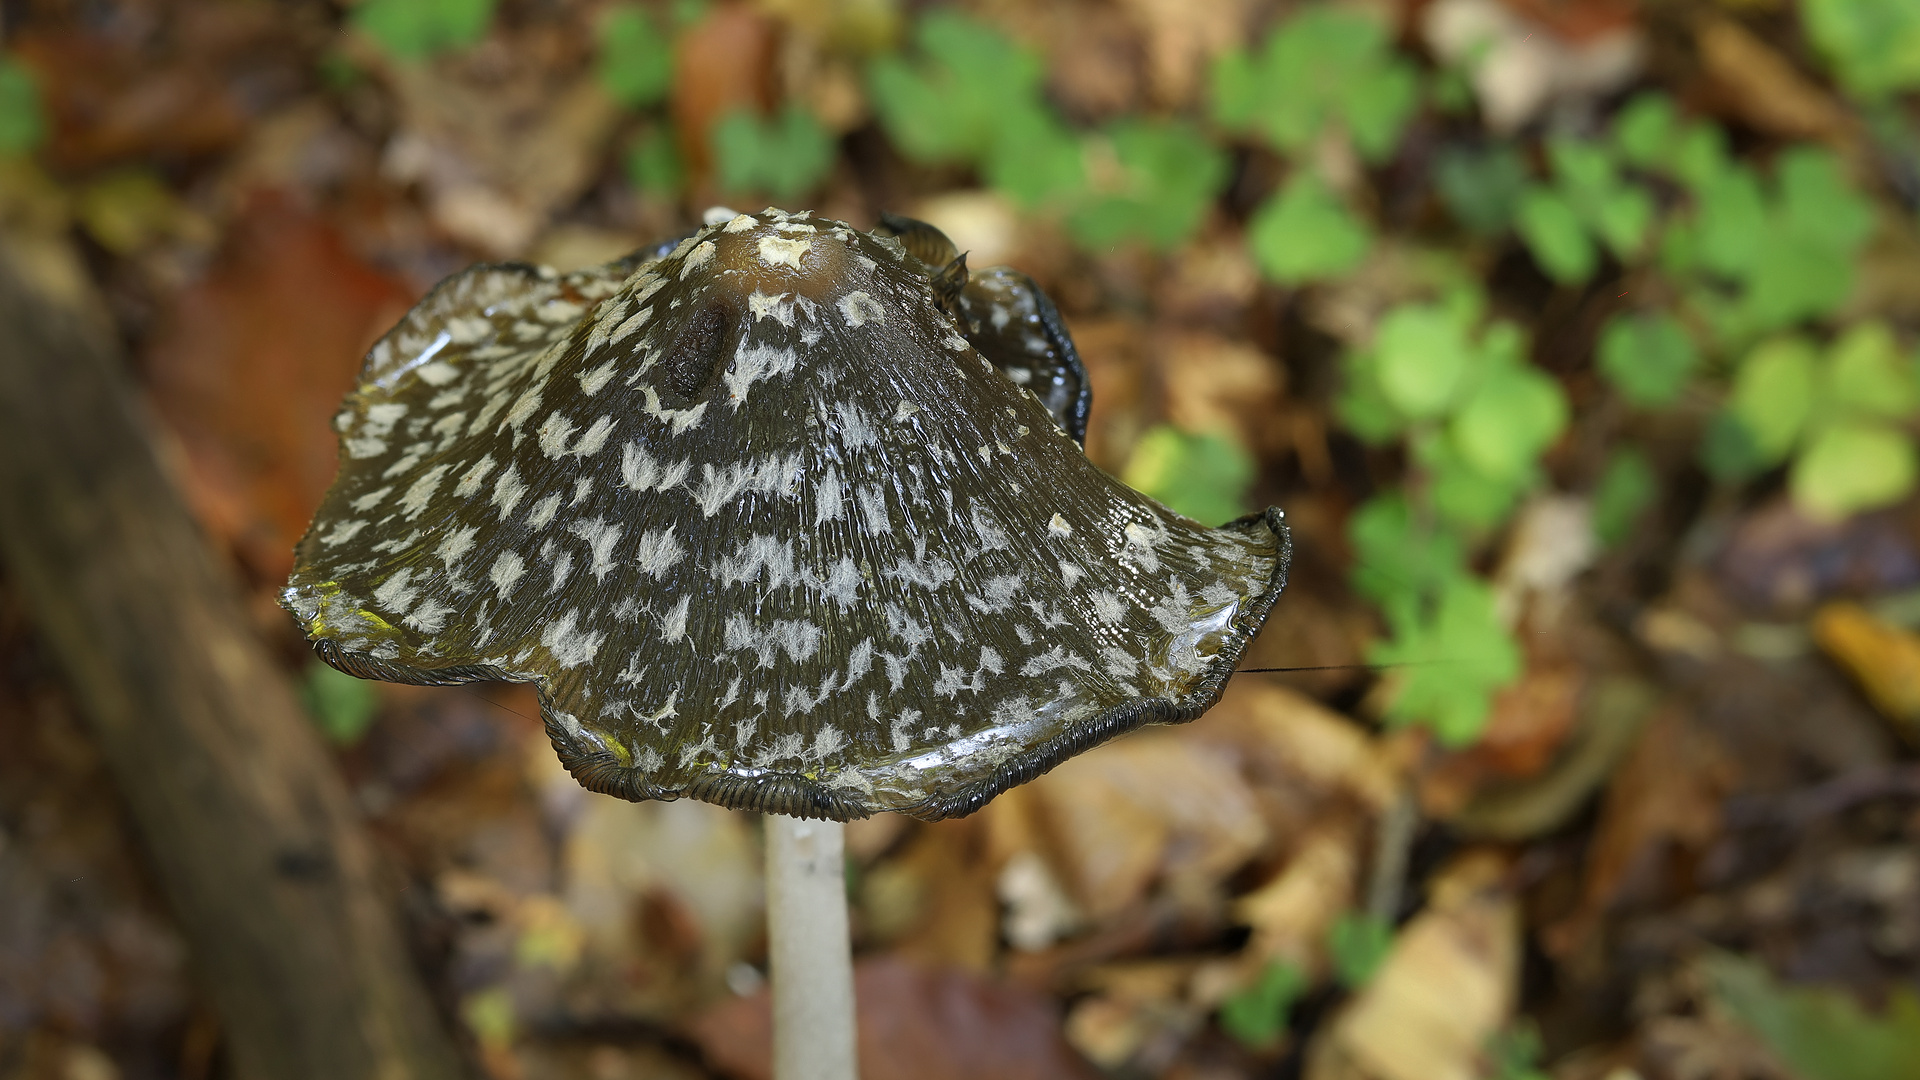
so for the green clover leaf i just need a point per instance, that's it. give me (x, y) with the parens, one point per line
(1512, 415)
(1852, 466)
(1773, 394)
(1627, 487)
(1647, 356)
(635, 64)
(1326, 65)
(1304, 233)
(418, 29)
(1873, 45)
(1205, 477)
(785, 156)
(1396, 559)
(1554, 233)
(1457, 657)
(1172, 175)
(22, 125)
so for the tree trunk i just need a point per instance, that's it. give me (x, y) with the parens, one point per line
(248, 827)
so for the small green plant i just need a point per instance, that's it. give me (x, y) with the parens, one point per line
(342, 705)
(1820, 1033)
(1358, 944)
(1873, 45)
(785, 155)
(1304, 233)
(971, 96)
(418, 29)
(1455, 655)
(1325, 66)
(1451, 651)
(1168, 177)
(1470, 407)
(1202, 476)
(1647, 356)
(1589, 200)
(1626, 489)
(1758, 256)
(635, 64)
(21, 125)
(1481, 187)
(1257, 1015)
(1514, 1052)
(1839, 416)
(653, 162)
(1475, 417)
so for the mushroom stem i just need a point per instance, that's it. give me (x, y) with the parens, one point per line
(810, 954)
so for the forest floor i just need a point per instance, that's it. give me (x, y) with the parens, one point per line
(1682, 844)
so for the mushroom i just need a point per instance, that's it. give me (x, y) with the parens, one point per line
(766, 526)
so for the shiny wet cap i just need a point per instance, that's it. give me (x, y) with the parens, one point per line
(765, 528)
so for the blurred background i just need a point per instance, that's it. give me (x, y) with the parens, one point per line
(1579, 339)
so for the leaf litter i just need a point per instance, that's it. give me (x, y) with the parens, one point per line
(1670, 835)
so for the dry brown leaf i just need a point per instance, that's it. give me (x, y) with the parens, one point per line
(722, 63)
(1146, 807)
(914, 1023)
(1449, 983)
(1288, 738)
(497, 151)
(110, 102)
(1528, 55)
(1216, 384)
(1115, 354)
(669, 886)
(1666, 795)
(935, 902)
(982, 224)
(249, 367)
(1291, 913)
(1609, 721)
(1884, 659)
(1181, 38)
(1765, 89)
(1529, 724)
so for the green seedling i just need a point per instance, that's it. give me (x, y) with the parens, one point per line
(418, 29)
(785, 156)
(1839, 416)
(22, 126)
(653, 163)
(1759, 256)
(1476, 415)
(1454, 655)
(1627, 487)
(1820, 1032)
(1257, 1015)
(1481, 187)
(1304, 233)
(1588, 204)
(1202, 476)
(1873, 45)
(1326, 66)
(1358, 944)
(1647, 356)
(1168, 177)
(1515, 1052)
(635, 63)
(971, 96)
(340, 704)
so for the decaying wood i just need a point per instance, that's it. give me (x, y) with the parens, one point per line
(248, 827)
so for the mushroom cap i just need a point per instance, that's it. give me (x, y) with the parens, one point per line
(764, 528)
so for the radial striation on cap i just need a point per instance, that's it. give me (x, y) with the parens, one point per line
(764, 527)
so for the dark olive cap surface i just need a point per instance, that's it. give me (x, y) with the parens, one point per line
(764, 528)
